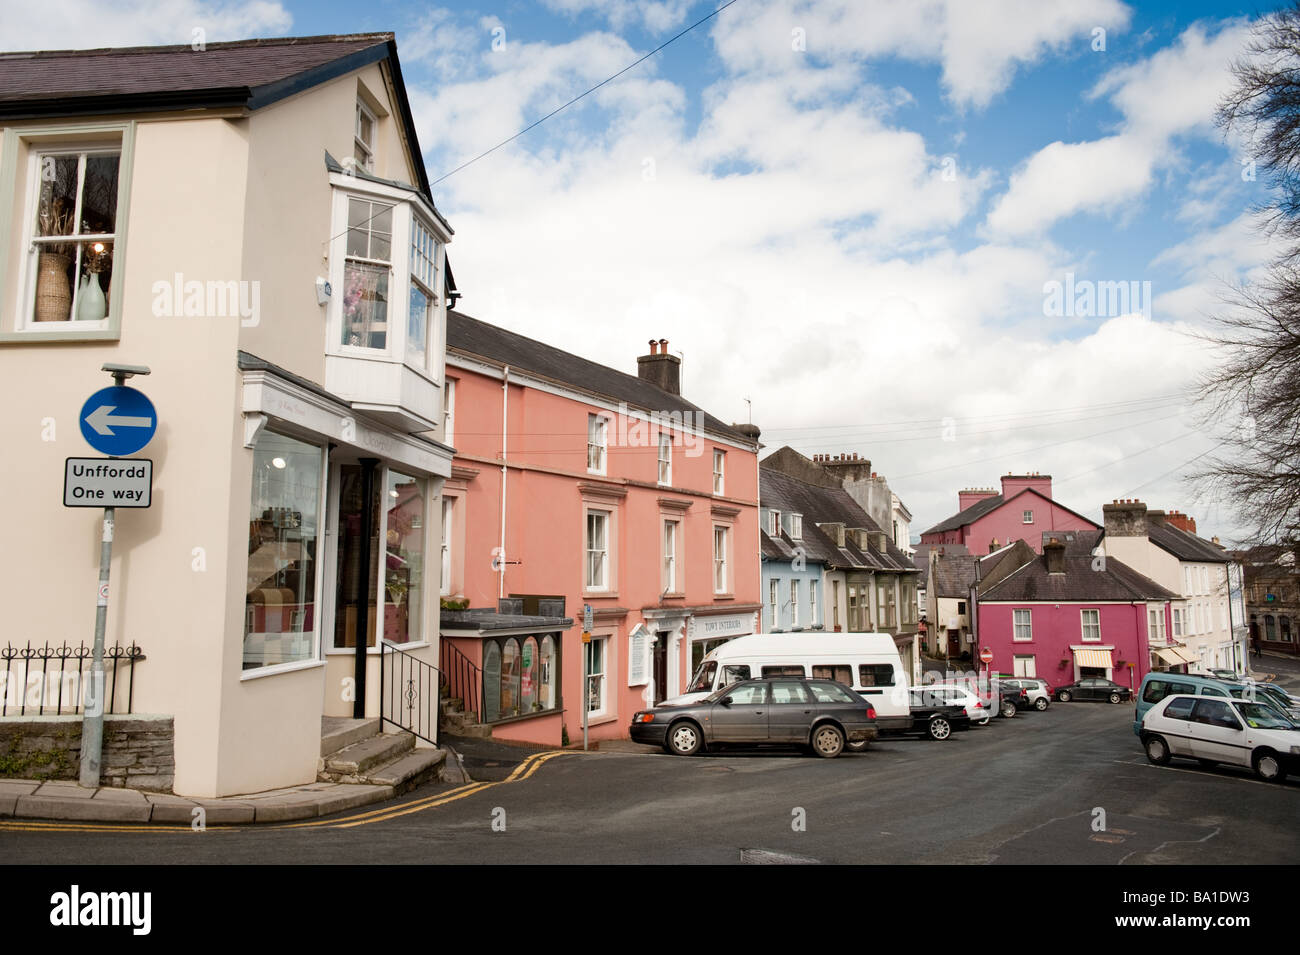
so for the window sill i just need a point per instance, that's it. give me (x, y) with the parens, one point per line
(64, 333)
(599, 594)
(276, 669)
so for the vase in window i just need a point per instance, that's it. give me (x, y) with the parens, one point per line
(91, 304)
(53, 291)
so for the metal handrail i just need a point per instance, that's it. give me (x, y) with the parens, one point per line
(409, 697)
(464, 679)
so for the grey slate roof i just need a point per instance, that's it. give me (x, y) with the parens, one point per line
(471, 337)
(1079, 584)
(954, 575)
(969, 515)
(825, 505)
(1183, 545)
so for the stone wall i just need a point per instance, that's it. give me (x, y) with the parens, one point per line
(138, 752)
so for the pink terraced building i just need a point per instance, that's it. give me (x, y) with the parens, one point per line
(1024, 510)
(575, 485)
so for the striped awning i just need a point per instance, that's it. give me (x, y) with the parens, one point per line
(1168, 655)
(1091, 657)
(1184, 655)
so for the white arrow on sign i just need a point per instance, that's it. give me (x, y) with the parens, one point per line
(102, 420)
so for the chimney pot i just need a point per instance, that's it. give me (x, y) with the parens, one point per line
(663, 344)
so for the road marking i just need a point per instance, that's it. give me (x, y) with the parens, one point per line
(520, 773)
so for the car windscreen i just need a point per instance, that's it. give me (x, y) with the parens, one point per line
(1261, 717)
(703, 679)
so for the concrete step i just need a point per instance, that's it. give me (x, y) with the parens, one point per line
(337, 732)
(359, 758)
(466, 727)
(410, 771)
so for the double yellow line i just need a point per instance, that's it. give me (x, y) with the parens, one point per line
(520, 773)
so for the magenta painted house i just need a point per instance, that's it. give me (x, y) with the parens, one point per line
(986, 520)
(604, 489)
(1065, 615)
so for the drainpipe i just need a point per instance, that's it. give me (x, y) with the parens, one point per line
(501, 554)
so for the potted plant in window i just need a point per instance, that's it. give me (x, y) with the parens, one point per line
(53, 288)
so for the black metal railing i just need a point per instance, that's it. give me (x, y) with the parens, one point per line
(464, 679)
(408, 692)
(50, 679)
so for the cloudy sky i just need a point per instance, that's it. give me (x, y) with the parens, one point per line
(880, 221)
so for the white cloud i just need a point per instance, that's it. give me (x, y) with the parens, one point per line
(979, 46)
(1174, 92)
(84, 24)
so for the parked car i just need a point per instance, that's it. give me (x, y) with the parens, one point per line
(1093, 688)
(930, 717)
(1223, 674)
(1012, 697)
(821, 714)
(1215, 730)
(1156, 685)
(1038, 692)
(941, 694)
(866, 663)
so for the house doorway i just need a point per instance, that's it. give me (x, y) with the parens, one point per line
(356, 579)
(659, 666)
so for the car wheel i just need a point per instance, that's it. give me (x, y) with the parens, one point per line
(858, 747)
(1040, 704)
(1008, 709)
(685, 738)
(939, 728)
(827, 741)
(1064, 696)
(1116, 698)
(1268, 766)
(1157, 750)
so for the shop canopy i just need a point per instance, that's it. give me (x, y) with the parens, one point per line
(1092, 657)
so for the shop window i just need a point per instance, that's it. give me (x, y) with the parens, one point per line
(283, 535)
(404, 559)
(491, 681)
(510, 667)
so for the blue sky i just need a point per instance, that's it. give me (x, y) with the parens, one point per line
(847, 211)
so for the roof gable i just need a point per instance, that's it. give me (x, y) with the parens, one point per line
(988, 505)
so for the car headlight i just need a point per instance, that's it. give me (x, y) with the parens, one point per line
(643, 718)
(1295, 750)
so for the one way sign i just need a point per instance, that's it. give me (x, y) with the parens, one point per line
(118, 421)
(108, 482)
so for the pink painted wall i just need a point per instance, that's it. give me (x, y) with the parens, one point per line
(1006, 524)
(545, 528)
(1057, 628)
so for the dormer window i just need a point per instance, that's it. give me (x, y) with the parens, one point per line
(773, 523)
(364, 138)
(796, 527)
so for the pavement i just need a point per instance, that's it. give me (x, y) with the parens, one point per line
(61, 800)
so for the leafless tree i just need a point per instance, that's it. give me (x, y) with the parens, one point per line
(1254, 393)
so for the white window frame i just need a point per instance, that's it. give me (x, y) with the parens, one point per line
(721, 572)
(669, 536)
(368, 148)
(605, 519)
(19, 198)
(449, 411)
(812, 603)
(1027, 517)
(1156, 624)
(448, 522)
(604, 643)
(1085, 625)
(665, 458)
(794, 603)
(1178, 622)
(597, 442)
(773, 523)
(1027, 624)
(774, 601)
(796, 527)
(719, 471)
(429, 281)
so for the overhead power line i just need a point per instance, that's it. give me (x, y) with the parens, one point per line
(559, 109)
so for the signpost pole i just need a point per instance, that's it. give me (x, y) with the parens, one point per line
(92, 723)
(97, 426)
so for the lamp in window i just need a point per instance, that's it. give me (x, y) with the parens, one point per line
(92, 303)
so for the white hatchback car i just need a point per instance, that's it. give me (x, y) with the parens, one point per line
(1216, 730)
(952, 695)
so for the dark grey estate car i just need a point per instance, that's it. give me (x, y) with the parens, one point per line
(786, 711)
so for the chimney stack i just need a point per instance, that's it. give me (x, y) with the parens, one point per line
(1125, 519)
(1054, 554)
(660, 368)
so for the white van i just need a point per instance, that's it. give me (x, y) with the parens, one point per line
(867, 662)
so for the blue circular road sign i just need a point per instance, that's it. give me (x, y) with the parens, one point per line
(118, 421)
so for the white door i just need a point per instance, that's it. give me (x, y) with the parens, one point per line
(1025, 666)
